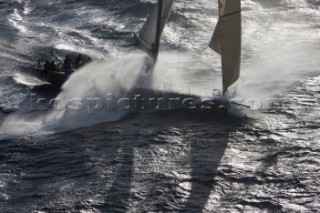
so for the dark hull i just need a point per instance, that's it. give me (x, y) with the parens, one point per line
(55, 78)
(146, 99)
(150, 99)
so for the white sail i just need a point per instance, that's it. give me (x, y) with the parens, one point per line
(147, 36)
(226, 40)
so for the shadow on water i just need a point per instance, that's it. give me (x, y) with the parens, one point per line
(205, 159)
(208, 146)
(208, 140)
(116, 199)
(92, 168)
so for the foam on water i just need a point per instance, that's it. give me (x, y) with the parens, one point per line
(95, 83)
(84, 98)
(171, 163)
(271, 61)
(276, 51)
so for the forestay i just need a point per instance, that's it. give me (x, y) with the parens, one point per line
(226, 40)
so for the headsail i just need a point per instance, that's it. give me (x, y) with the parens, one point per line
(149, 35)
(226, 40)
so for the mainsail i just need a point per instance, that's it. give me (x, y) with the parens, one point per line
(149, 35)
(226, 40)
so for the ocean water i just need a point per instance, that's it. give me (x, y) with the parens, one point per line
(108, 160)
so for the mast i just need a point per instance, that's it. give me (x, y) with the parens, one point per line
(226, 41)
(155, 50)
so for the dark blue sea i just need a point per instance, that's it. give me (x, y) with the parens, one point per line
(68, 150)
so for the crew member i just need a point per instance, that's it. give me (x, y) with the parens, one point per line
(79, 61)
(46, 68)
(67, 62)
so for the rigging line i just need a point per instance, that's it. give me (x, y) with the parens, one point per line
(230, 14)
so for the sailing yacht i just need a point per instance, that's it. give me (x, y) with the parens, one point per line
(148, 38)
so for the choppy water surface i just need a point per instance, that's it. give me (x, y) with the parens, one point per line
(171, 161)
